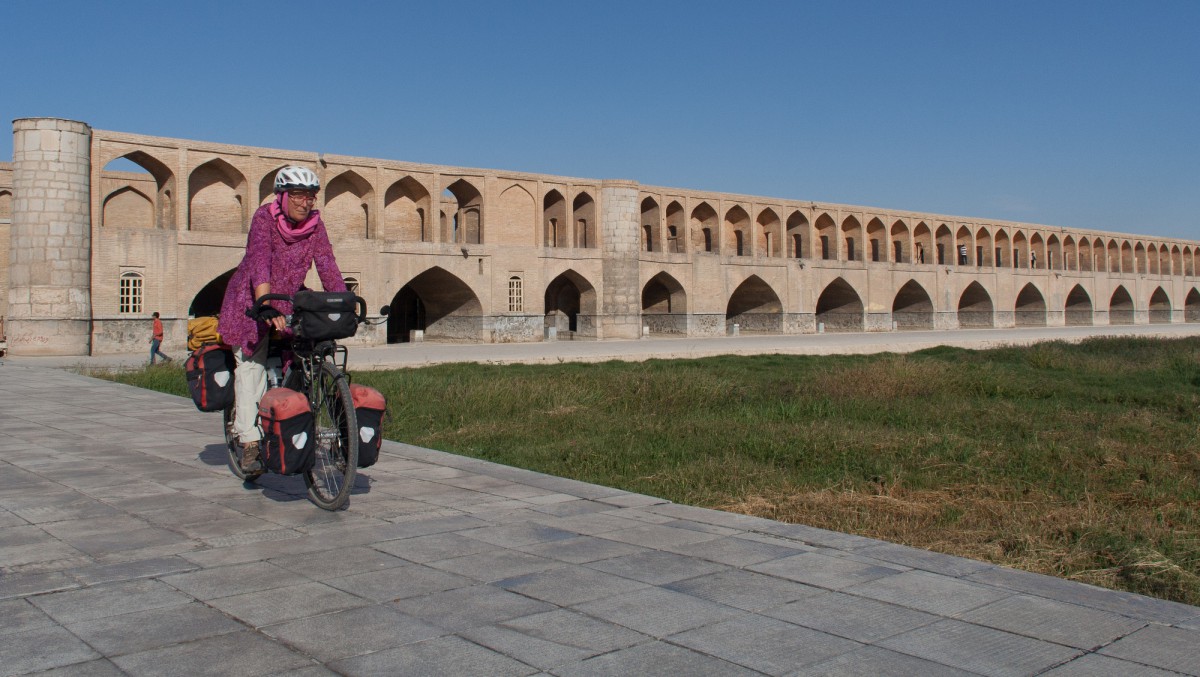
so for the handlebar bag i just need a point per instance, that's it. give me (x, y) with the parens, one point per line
(325, 316)
(369, 407)
(289, 432)
(210, 377)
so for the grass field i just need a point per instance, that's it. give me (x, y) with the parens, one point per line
(1076, 460)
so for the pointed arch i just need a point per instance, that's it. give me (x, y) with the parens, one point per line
(852, 240)
(512, 221)
(583, 209)
(704, 228)
(768, 234)
(347, 210)
(840, 308)
(923, 251)
(406, 212)
(1078, 308)
(555, 229)
(570, 305)
(438, 304)
(1191, 306)
(964, 247)
(1037, 251)
(944, 244)
(1054, 254)
(827, 237)
(912, 308)
(1030, 307)
(216, 198)
(1120, 307)
(984, 255)
(876, 242)
(664, 305)
(127, 207)
(164, 185)
(901, 240)
(207, 301)
(799, 241)
(463, 205)
(975, 308)
(1160, 307)
(737, 232)
(676, 228)
(5, 205)
(651, 218)
(754, 307)
(1003, 250)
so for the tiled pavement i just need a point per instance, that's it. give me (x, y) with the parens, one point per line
(127, 547)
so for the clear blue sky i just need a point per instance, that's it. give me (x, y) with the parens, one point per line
(1082, 114)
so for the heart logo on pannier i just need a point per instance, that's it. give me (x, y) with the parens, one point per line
(221, 378)
(299, 439)
(335, 316)
(367, 434)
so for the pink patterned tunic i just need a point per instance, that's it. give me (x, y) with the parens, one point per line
(269, 259)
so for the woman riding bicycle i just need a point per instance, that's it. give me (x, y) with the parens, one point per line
(287, 236)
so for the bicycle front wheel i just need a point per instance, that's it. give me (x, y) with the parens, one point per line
(332, 475)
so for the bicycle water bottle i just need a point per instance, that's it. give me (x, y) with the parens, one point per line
(274, 371)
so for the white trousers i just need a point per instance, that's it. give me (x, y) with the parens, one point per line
(249, 385)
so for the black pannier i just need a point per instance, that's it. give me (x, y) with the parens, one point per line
(210, 377)
(325, 316)
(369, 407)
(289, 431)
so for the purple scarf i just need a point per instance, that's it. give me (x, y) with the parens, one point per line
(292, 233)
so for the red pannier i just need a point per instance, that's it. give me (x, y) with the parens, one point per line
(289, 432)
(369, 406)
(210, 377)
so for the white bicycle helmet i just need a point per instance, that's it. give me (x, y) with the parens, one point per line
(295, 177)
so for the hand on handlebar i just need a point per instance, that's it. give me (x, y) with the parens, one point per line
(264, 313)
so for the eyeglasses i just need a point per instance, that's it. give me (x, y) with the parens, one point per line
(302, 197)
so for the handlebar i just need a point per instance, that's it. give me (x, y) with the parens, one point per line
(254, 311)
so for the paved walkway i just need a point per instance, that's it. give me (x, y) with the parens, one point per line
(127, 547)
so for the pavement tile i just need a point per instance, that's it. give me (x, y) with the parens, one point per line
(352, 632)
(978, 649)
(736, 551)
(515, 535)
(1161, 647)
(765, 644)
(237, 654)
(207, 584)
(124, 571)
(464, 608)
(569, 585)
(744, 590)
(495, 565)
(400, 583)
(21, 616)
(322, 566)
(563, 628)
(42, 649)
(441, 656)
(581, 549)
(658, 612)
(930, 592)
(823, 571)
(268, 607)
(154, 628)
(110, 599)
(654, 658)
(101, 667)
(423, 549)
(856, 618)
(878, 662)
(1095, 665)
(925, 560)
(1053, 621)
(656, 567)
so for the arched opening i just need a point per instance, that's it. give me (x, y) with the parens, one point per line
(570, 306)
(207, 301)
(768, 236)
(1160, 307)
(1003, 250)
(945, 245)
(922, 244)
(703, 225)
(1120, 307)
(1078, 309)
(1191, 306)
(584, 209)
(463, 204)
(554, 220)
(128, 207)
(406, 212)
(827, 236)
(1030, 308)
(439, 306)
(347, 210)
(664, 305)
(798, 243)
(984, 252)
(676, 227)
(852, 238)
(754, 307)
(131, 170)
(901, 243)
(216, 198)
(840, 308)
(737, 223)
(651, 241)
(912, 308)
(964, 249)
(975, 308)
(877, 249)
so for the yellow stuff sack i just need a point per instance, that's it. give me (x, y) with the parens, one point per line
(202, 331)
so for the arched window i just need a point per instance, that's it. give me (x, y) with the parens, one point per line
(516, 299)
(351, 284)
(131, 293)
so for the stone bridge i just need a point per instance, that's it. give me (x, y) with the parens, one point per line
(101, 228)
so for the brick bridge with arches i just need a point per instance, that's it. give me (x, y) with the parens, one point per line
(99, 229)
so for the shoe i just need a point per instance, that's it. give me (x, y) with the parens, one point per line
(249, 462)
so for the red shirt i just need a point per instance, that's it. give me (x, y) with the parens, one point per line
(158, 329)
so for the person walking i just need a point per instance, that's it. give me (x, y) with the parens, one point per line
(156, 339)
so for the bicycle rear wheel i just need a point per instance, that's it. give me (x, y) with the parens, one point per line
(332, 475)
